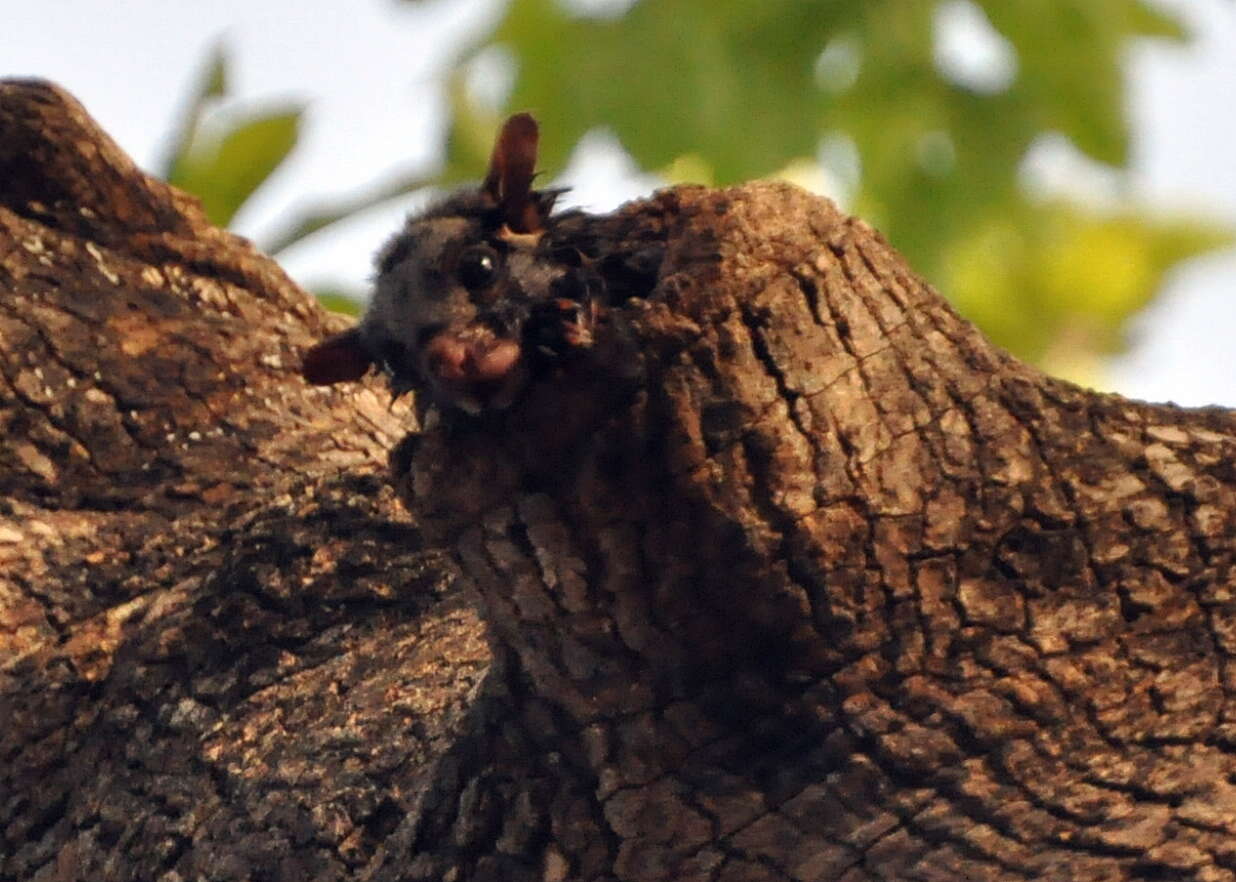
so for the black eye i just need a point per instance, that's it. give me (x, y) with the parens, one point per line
(478, 266)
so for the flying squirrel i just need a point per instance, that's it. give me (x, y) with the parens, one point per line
(477, 295)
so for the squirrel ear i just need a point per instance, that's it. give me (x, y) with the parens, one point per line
(511, 169)
(337, 359)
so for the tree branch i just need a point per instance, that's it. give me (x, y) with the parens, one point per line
(798, 578)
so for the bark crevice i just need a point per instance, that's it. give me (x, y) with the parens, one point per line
(795, 578)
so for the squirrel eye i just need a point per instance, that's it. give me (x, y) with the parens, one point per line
(477, 267)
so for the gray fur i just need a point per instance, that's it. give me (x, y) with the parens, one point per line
(476, 292)
(417, 290)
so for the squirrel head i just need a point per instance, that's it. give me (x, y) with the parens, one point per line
(457, 289)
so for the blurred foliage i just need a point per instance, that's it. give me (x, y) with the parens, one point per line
(722, 91)
(224, 157)
(1048, 279)
(338, 301)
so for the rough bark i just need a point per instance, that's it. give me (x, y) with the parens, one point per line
(798, 579)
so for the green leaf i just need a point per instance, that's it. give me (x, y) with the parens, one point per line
(339, 300)
(212, 84)
(1058, 270)
(215, 83)
(225, 169)
(1071, 64)
(1148, 20)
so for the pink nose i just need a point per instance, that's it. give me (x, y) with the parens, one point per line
(470, 355)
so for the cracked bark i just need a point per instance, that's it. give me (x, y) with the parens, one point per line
(800, 579)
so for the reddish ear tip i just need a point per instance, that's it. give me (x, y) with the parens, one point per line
(339, 359)
(521, 125)
(512, 166)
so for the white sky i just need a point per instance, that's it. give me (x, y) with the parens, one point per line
(369, 69)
